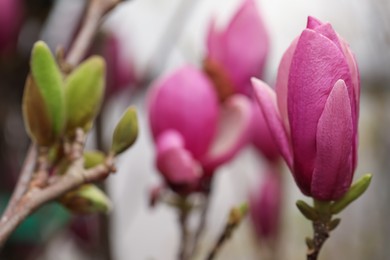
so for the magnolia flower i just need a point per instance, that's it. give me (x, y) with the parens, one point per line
(265, 205)
(236, 54)
(314, 114)
(194, 134)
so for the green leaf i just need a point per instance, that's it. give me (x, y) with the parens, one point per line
(36, 116)
(84, 90)
(48, 79)
(356, 190)
(333, 224)
(86, 199)
(309, 212)
(126, 132)
(309, 243)
(93, 158)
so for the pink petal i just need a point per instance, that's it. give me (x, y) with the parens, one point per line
(233, 132)
(282, 82)
(353, 68)
(174, 162)
(325, 29)
(265, 205)
(261, 136)
(333, 166)
(267, 100)
(185, 101)
(244, 46)
(316, 66)
(313, 22)
(214, 42)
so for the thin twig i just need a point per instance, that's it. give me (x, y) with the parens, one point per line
(23, 181)
(183, 218)
(104, 245)
(96, 10)
(235, 217)
(202, 225)
(170, 35)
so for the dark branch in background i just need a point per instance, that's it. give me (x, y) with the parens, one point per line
(184, 233)
(96, 10)
(168, 39)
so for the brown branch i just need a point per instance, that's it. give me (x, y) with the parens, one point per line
(183, 218)
(321, 234)
(206, 187)
(96, 10)
(41, 175)
(34, 198)
(235, 217)
(23, 181)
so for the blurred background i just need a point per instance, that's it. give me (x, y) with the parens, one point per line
(143, 39)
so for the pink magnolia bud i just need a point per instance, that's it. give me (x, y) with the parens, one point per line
(175, 163)
(186, 116)
(265, 205)
(238, 52)
(185, 101)
(11, 12)
(314, 114)
(120, 71)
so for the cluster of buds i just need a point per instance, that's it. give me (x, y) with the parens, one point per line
(58, 110)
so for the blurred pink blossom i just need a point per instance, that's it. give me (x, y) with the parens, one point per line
(238, 52)
(194, 134)
(120, 71)
(11, 15)
(265, 207)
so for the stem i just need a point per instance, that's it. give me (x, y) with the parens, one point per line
(206, 183)
(166, 44)
(321, 234)
(104, 219)
(235, 217)
(96, 10)
(183, 218)
(23, 181)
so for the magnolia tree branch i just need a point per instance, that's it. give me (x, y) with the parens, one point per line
(235, 217)
(34, 198)
(23, 181)
(27, 197)
(95, 11)
(184, 234)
